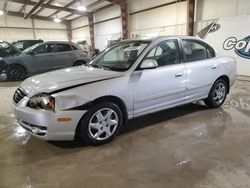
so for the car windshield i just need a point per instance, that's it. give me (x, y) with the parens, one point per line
(7, 49)
(121, 56)
(30, 49)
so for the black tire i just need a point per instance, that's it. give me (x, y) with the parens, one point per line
(78, 63)
(15, 72)
(84, 129)
(210, 101)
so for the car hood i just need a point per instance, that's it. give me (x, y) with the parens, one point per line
(14, 58)
(66, 78)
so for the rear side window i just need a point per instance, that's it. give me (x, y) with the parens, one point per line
(33, 43)
(196, 50)
(63, 47)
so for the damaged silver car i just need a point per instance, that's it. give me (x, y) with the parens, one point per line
(130, 79)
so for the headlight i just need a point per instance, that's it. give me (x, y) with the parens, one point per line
(42, 101)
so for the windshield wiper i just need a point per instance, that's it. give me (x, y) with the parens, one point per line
(88, 65)
(105, 68)
(98, 66)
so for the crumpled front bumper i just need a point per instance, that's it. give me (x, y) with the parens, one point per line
(45, 125)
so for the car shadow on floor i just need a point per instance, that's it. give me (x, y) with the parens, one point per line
(143, 122)
(162, 116)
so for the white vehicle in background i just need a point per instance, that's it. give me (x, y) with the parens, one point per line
(130, 79)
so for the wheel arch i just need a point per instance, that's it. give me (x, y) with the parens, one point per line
(109, 98)
(227, 80)
(17, 65)
(79, 60)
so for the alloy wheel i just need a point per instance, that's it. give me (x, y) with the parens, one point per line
(219, 93)
(15, 73)
(103, 124)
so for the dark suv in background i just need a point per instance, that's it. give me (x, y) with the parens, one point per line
(6, 49)
(24, 44)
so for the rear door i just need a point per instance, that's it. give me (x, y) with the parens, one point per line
(64, 56)
(201, 66)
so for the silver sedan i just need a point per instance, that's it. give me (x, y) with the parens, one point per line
(130, 79)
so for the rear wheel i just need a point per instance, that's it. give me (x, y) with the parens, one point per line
(217, 94)
(101, 123)
(15, 72)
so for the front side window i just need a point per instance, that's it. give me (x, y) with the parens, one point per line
(196, 51)
(45, 48)
(121, 56)
(63, 47)
(165, 53)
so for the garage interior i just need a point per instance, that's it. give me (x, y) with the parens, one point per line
(187, 146)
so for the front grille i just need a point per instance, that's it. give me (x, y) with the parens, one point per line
(19, 95)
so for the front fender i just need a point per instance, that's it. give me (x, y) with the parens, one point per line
(69, 101)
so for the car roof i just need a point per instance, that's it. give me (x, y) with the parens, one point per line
(165, 37)
(28, 40)
(59, 42)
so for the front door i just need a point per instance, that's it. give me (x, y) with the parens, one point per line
(43, 58)
(156, 89)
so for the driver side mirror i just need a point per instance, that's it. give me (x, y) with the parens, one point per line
(149, 64)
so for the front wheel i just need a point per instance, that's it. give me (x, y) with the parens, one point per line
(217, 94)
(15, 72)
(101, 123)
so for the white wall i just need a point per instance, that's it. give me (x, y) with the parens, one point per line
(109, 30)
(16, 28)
(233, 16)
(80, 30)
(81, 34)
(79, 22)
(211, 9)
(166, 20)
(104, 31)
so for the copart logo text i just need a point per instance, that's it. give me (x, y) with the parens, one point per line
(241, 47)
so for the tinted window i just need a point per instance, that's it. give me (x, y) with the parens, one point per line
(74, 47)
(46, 48)
(20, 45)
(63, 47)
(26, 45)
(197, 51)
(32, 43)
(165, 53)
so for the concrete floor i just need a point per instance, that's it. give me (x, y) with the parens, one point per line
(189, 146)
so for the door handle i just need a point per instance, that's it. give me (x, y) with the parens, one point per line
(214, 66)
(179, 74)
